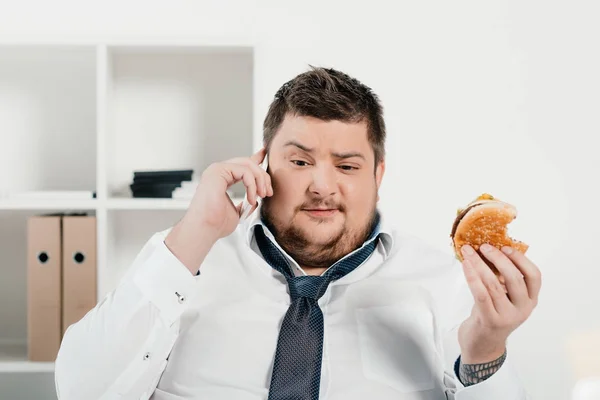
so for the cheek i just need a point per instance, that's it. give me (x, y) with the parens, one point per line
(288, 192)
(358, 196)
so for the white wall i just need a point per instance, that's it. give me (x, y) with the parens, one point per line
(498, 97)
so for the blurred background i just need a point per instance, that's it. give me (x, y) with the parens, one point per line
(499, 97)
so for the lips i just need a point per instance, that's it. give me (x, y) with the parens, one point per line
(321, 212)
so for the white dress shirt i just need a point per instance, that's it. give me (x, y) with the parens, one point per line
(389, 328)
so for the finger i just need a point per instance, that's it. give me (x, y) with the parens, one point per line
(513, 279)
(269, 185)
(259, 156)
(532, 274)
(501, 302)
(259, 173)
(245, 174)
(478, 290)
(263, 180)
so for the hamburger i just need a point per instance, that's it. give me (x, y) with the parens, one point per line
(484, 220)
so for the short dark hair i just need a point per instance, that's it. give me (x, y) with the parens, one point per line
(328, 94)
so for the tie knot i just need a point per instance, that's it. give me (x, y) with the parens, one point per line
(312, 287)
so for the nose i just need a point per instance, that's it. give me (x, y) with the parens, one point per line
(324, 181)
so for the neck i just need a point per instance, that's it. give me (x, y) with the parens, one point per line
(315, 271)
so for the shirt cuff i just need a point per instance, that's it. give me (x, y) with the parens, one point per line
(504, 384)
(165, 282)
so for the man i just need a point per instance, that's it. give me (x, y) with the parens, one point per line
(315, 295)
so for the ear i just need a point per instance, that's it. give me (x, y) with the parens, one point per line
(379, 171)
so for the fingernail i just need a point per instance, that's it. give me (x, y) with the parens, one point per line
(507, 250)
(467, 250)
(486, 248)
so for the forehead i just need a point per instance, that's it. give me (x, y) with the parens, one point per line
(322, 135)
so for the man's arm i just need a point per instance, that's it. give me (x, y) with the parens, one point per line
(455, 304)
(120, 346)
(498, 310)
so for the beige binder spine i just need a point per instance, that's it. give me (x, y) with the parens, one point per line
(44, 287)
(79, 268)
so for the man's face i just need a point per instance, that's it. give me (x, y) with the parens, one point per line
(325, 188)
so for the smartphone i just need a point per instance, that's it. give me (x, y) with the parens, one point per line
(246, 207)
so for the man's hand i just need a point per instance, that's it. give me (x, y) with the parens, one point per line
(212, 208)
(498, 309)
(211, 214)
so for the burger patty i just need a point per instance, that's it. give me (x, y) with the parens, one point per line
(460, 217)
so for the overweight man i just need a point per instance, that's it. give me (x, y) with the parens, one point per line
(316, 295)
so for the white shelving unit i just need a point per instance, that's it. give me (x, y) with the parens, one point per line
(14, 360)
(84, 117)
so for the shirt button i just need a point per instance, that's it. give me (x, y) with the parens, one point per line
(146, 356)
(180, 298)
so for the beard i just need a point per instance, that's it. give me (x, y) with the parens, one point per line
(298, 243)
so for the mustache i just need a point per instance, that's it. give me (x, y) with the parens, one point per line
(329, 204)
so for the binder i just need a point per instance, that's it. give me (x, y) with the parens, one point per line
(78, 268)
(43, 287)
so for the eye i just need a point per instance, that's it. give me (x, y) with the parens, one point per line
(300, 163)
(347, 167)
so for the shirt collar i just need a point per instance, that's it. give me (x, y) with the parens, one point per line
(383, 228)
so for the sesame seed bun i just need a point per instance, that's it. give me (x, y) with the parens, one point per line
(485, 220)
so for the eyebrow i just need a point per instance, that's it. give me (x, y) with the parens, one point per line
(337, 155)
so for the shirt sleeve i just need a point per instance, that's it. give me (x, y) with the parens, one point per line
(120, 347)
(504, 384)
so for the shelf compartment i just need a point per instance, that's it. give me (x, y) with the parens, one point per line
(176, 109)
(47, 118)
(14, 290)
(13, 358)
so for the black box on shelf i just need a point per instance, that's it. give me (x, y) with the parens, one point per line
(158, 184)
